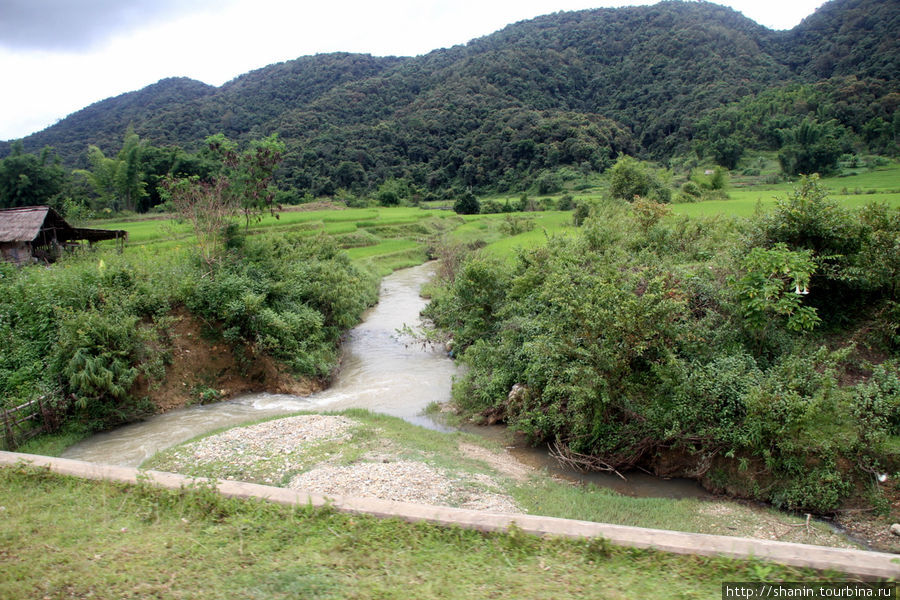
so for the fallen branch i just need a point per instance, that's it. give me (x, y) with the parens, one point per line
(581, 462)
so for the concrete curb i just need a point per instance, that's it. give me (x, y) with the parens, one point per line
(861, 563)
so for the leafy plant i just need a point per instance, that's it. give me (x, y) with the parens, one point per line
(773, 286)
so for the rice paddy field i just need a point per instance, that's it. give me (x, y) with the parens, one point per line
(853, 190)
(388, 238)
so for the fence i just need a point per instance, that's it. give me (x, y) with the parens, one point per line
(25, 421)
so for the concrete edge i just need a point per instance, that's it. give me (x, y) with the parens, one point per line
(860, 563)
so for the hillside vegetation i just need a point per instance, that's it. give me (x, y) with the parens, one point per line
(571, 89)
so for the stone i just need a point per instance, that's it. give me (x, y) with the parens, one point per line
(895, 529)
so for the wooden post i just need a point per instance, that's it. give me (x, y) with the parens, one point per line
(48, 416)
(7, 430)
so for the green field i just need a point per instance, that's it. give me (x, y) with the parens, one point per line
(383, 238)
(141, 542)
(853, 191)
(400, 235)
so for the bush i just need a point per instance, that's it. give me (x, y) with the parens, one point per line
(690, 188)
(467, 204)
(290, 297)
(548, 183)
(489, 207)
(97, 355)
(86, 329)
(581, 212)
(849, 264)
(83, 330)
(630, 178)
(469, 306)
(512, 225)
(626, 340)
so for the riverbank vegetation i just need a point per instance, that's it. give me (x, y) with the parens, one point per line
(192, 543)
(88, 331)
(760, 356)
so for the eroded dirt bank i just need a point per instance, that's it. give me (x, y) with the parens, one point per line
(203, 370)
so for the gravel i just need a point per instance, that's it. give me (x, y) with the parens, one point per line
(406, 481)
(273, 448)
(265, 441)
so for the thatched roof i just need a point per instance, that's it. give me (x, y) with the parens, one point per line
(22, 224)
(27, 223)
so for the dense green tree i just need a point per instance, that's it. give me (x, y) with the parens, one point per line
(467, 204)
(391, 192)
(349, 174)
(810, 147)
(158, 162)
(129, 179)
(27, 180)
(630, 178)
(118, 182)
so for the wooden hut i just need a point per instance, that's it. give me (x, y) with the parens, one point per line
(38, 233)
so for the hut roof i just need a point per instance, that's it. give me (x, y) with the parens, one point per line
(22, 224)
(26, 223)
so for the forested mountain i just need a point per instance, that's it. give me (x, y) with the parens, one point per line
(851, 37)
(568, 89)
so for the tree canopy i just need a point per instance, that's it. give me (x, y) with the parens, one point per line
(571, 89)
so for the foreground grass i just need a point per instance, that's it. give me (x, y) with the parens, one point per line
(62, 537)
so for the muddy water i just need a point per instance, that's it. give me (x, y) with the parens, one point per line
(381, 370)
(634, 483)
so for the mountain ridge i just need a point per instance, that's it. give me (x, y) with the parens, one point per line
(643, 76)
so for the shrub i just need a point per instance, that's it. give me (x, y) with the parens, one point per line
(690, 188)
(581, 212)
(630, 178)
(629, 338)
(491, 207)
(512, 225)
(96, 356)
(289, 297)
(471, 302)
(467, 204)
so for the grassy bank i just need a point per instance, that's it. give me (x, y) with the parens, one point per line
(138, 542)
(477, 470)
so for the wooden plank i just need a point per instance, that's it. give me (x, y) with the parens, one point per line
(23, 406)
(25, 418)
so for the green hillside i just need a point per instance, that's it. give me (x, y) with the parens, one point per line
(567, 90)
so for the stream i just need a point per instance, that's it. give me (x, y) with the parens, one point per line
(381, 370)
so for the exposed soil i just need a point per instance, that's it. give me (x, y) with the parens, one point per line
(202, 369)
(504, 463)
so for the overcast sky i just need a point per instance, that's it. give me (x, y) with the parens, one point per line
(58, 56)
